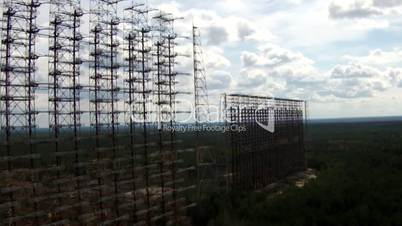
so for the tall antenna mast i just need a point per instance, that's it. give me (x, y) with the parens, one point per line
(201, 102)
(205, 160)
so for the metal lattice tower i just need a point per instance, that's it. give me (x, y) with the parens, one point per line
(64, 95)
(150, 97)
(142, 99)
(103, 102)
(17, 95)
(165, 101)
(206, 162)
(166, 98)
(201, 102)
(138, 90)
(130, 66)
(162, 97)
(134, 174)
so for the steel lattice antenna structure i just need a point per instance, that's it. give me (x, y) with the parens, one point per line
(165, 81)
(104, 51)
(101, 175)
(64, 89)
(138, 91)
(201, 102)
(138, 173)
(132, 87)
(142, 96)
(18, 83)
(254, 151)
(162, 101)
(205, 159)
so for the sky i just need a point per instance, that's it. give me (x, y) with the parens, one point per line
(343, 56)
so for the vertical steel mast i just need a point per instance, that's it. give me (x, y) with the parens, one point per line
(138, 82)
(64, 92)
(134, 174)
(201, 104)
(143, 93)
(131, 65)
(205, 159)
(161, 102)
(104, 51)
(17, 95)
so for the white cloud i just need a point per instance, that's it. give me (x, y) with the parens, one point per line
(387, 3)
(217, 35)
(252, 80)
(358, 81)
(249, 59)
(261, 47)
(309, 25)
(214, 58)
(279, 72)
(378, 58)
(300, 78)
(272, 56)
(352, 71)
(395, 75)
(352, 9)
(219, 80)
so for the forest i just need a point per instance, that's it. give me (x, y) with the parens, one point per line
(358, 167)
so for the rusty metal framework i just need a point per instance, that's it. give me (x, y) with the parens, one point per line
(267, 140)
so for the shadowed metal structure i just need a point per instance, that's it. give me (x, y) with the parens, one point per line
(67, 155)
(260, 157)
(18, 112)
(64, 107)
(91, 167)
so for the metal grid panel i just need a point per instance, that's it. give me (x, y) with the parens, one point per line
(258, 156)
